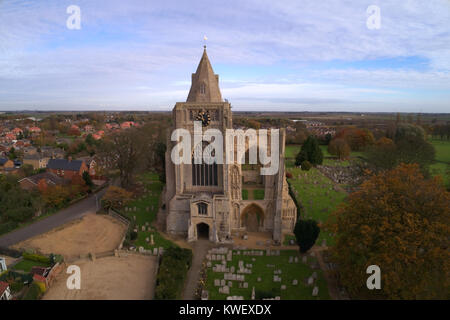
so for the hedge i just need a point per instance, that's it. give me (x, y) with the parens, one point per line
(33, 293)
(175, 263)
(36, 257)
(10, 252)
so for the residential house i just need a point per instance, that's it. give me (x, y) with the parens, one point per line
(5, 291)
(90, 163)
(54, 153)
(34, 130)
(66, 168)
(37, 160)
(127, 124)
(33, 181)
(6, 163)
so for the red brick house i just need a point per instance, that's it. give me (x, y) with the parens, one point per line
(66, 168)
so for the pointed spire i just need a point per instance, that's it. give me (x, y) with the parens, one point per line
(205, 84)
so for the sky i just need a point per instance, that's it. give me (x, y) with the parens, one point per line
(283, 55)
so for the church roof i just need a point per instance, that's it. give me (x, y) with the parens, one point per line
(205, 84)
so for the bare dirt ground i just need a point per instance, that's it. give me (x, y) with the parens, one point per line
(110, 278)
(91, 234)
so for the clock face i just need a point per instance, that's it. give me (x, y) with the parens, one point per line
(204, 117)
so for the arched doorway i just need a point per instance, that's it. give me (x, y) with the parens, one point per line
(252, 218)
(202, 231)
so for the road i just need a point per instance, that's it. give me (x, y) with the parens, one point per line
(64, 216)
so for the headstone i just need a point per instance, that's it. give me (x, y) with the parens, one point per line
(304, 259)
(222, 282)
(209, 264)
(143, 228)
(152, 242)
(253, 293)
(259, 279)
(315, 291)
(294, 282)
(283, 287)
(296, 259)
(230, 284)
(310, 281)
(314, 275)
(291, 259)
(155, 251)
(245, 285)
(232, 269)
(216, 282)
(226, 290)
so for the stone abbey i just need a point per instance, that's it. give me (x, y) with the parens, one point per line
(220, 200)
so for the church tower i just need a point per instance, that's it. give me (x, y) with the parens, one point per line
(204, 200)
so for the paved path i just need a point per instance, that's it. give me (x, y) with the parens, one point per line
(199, 250)
(64, 216)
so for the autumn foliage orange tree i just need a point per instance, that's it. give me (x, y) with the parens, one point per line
(399, 221)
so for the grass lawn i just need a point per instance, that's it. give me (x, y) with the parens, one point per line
(150, 199)
(442, 165)
(26, 265)
(290, 271)
(317, 195)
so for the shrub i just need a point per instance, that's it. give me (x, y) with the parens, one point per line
(172, 273)
(310, 151)
(33, 293)
(306, 233)
(36, 257)
(288, 175)
(306, 165)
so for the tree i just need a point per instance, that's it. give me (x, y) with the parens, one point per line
(357, 139)
(306, 233)
(399, 221)
(123, 151)
(90, 141)
(116, 197)
(87, 179)
(310, 151)
(339, 148)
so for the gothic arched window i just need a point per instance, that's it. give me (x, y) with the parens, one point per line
(204, 174)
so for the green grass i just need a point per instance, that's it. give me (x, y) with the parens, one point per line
(442, 148)
(150, 199)
(258, 194)
(244, 194)
(290, 271)
(26, 265)
(317, 195)
(441, 167)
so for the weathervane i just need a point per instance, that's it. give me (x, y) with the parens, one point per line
(204, 41)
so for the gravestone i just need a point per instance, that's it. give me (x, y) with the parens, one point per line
(259, 279)
(283, 287)
(245, 285)
(310, 281)
(294, 282)
(217, 282)
(226, 290)
(315, 291)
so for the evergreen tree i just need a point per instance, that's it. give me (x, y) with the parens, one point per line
(310, 151)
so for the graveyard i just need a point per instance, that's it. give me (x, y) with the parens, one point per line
(241, 273)
(318, 195)
(142, 212)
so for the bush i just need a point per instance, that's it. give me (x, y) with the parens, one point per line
(306, 233)
(16, 286)
(133, 235)
(33, 293)
(10, 252)
(172, 273)
(288, 175)
(310, 151)
(306, 165)
(270, 294)
(36, 257)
